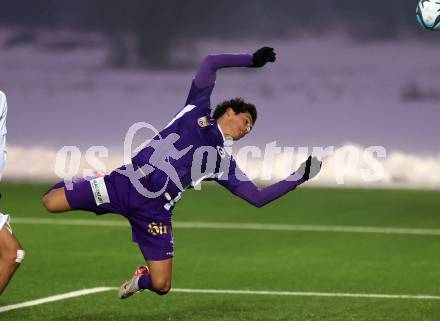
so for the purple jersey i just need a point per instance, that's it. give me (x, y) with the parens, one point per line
(182, 154)
(188, 150)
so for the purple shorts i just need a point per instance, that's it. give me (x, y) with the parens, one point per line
(114, 193)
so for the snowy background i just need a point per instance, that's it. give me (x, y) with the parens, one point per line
(329, 89)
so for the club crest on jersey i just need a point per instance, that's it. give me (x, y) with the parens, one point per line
(221, 151)
(203, 121)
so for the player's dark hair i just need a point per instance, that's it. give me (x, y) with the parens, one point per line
(238, 105)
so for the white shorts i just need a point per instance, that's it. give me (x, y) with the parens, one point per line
(4, 219)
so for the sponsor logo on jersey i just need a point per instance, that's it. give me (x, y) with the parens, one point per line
(157, 229)
(203, 121)
(99, 191)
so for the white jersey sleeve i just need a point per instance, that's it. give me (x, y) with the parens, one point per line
(3, 113)
(3, 131)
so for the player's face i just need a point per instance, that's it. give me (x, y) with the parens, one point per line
(241, 125)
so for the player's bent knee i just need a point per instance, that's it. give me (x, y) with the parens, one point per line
(162, 287)
(163, 290)
(48, 202)
(52, 203)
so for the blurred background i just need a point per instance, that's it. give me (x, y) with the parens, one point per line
(348, 74)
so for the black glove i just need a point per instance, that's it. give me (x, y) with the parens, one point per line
(263, 55)
(310, 168)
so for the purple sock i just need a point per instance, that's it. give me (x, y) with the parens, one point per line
(144, 282)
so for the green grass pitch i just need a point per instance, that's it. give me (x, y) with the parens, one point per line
(64, 258)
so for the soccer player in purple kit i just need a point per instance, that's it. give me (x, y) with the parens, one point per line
(190, 149)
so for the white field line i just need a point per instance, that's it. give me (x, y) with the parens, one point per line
(216, 291)
(316, 294)
(240, 226)
(54, 298)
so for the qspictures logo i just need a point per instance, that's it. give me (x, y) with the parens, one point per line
(345, 161)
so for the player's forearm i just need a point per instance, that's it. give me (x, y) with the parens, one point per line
(206, 74)
(261, 197)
